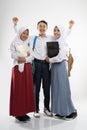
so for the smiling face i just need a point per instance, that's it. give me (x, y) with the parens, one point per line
(24, 35)
(56, 32)
(42, 27)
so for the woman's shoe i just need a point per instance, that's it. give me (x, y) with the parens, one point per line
(23, 118)
(57, 116)
(27, 117)
(71, 116)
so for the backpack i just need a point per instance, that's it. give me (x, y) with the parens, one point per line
(33, 64)
(70, 63)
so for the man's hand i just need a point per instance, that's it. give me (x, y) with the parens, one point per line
(47, 59)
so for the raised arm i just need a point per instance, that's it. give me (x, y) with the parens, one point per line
(71, 23)
(15, 21)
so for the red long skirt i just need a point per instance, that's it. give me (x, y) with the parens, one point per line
(22, 91)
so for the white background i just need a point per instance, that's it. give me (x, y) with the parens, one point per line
(54, 12)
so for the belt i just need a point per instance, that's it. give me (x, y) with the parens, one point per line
(40, 61)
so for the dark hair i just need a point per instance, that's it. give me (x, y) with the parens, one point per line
(42, 21)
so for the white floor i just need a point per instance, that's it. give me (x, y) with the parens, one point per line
(47, 123)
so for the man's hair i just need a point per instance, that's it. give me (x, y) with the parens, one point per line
(42, 21)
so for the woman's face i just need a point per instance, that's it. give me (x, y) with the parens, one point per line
(56, 32)
(24, 35)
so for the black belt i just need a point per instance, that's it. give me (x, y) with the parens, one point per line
(40, 61)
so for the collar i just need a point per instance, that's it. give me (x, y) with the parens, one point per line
(43, 36)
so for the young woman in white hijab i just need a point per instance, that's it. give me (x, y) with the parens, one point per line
(61, 103)
(22, 91)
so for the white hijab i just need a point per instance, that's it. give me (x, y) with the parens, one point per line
(17, 39)
(62, 38)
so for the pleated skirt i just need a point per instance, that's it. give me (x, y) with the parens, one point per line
(22, 91)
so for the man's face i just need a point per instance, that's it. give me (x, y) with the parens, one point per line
(42, 27)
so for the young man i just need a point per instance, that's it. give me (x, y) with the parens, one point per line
(42, 72)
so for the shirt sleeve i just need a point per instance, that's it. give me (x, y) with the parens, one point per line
(15, 28)
(29, 58)
(68, 32)
(62, 55)
(15, 54)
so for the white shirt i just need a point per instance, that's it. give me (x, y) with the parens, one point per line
(40, 50)
(63, 50)
(15, 53)
(61, 56)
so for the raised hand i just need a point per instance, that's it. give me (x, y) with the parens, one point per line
(71, 23)
(15, 20)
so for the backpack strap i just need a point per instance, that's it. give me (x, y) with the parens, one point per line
(34, 42)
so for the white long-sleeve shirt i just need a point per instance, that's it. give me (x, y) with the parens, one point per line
(63, 49)
(40, 50)
(15, 53)
(61, 56)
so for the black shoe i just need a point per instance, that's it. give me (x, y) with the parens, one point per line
(71, 116)
(27, 117)
(23, 118)
(20, 118)
(57, 116)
